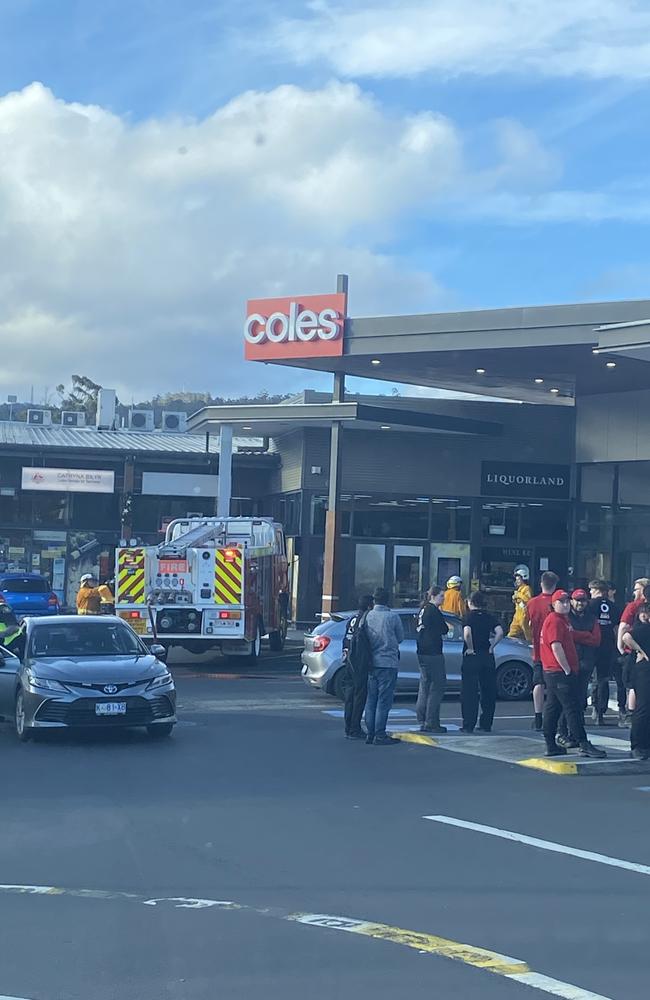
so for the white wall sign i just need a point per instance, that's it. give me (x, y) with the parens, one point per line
(179, 484)
(68, 480)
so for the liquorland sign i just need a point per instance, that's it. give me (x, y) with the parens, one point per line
(309, 326)
(68, 480)
(525, 479)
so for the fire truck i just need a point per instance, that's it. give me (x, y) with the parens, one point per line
(214, 583)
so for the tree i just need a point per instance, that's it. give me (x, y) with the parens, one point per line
(82, 396)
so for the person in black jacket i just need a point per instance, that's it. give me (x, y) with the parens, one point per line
(607, 665)
(586, 636)
(430, 630)
(356, 673)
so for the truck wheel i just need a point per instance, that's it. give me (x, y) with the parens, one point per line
(277, 639)
(256, 645)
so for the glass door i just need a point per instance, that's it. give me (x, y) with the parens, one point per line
(407, 575)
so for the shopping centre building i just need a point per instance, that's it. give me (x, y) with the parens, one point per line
(555, 474)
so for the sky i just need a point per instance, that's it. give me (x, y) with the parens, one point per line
(162, 161)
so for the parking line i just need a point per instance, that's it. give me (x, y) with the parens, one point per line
(544, 845)
(429, 944)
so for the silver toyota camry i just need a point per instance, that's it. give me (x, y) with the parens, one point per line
(85, 672)
(322, 658)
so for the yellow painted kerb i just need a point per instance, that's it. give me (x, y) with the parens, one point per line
(552, 766)
(417, 738)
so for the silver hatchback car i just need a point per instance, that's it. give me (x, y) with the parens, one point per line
(322, 658)
(86, 671)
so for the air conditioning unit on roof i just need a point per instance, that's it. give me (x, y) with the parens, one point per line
(174, 421)
(42, 418)
(73, 418)
(141, 420)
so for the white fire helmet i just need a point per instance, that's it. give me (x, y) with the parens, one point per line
(454, 581)
(522, 571)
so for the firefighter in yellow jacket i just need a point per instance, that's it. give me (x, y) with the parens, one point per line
(89, 598)
(520, 626)
(454, 603)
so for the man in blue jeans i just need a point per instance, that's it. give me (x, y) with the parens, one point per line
(385, 633)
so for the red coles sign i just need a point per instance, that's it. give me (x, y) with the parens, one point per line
(311, 326)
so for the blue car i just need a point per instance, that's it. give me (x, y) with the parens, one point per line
(28, 594)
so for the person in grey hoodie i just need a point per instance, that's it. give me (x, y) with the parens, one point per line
(385, 633)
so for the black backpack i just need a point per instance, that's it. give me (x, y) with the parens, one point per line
(357, 646)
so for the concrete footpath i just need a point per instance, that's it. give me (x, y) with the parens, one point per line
(528, 751)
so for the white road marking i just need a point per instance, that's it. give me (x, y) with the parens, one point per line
(544, 845)
(554, 986)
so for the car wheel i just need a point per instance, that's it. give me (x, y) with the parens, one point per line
(338, 684)
(160, 731)
(256, 645)
(514, 681)
(22, 732)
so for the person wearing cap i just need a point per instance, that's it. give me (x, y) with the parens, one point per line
(561, 667)
(89, 598)
(640, 596)
(519, 627)
(586, 635)
(606, 656)
(454, 603)
(537, 610)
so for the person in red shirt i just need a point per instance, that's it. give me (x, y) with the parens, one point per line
(641, 594)
(538, 608)
(561, 665)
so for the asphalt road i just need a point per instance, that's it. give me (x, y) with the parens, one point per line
(200, 852)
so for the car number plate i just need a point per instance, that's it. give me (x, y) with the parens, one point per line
(110, 708)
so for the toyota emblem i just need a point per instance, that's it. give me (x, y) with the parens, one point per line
(110, 689)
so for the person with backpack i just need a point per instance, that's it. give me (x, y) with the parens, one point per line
(357, 660)
(430, 630)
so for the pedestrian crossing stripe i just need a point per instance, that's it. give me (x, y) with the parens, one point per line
(228, 576)
(130, 577)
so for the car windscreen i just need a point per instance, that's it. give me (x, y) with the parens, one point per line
(84, 639)
(24, 585)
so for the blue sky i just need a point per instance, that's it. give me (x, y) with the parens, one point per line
(447, 153)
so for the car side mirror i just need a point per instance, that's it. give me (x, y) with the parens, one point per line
(158, 650)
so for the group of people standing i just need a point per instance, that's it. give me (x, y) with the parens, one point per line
(371, 649)
(584, 639)
(575, 638)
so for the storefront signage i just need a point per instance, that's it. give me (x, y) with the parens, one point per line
(68, 480)
(179, 484)
(525, 479)
(311, 326)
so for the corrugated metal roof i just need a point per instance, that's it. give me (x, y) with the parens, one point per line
(27, 435)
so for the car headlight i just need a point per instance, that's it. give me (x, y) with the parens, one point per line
(161, 681)
(45, 683)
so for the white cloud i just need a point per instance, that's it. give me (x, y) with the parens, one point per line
(595, 39)
(127, 251)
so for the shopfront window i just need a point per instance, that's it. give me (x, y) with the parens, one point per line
(368, 568)
(319, 507)
(544, 521)
(391, 518)
(500, 520)
(96, 510)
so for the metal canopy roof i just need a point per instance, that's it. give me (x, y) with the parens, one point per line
(513, 346)
(271, 420)
(19, 434)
